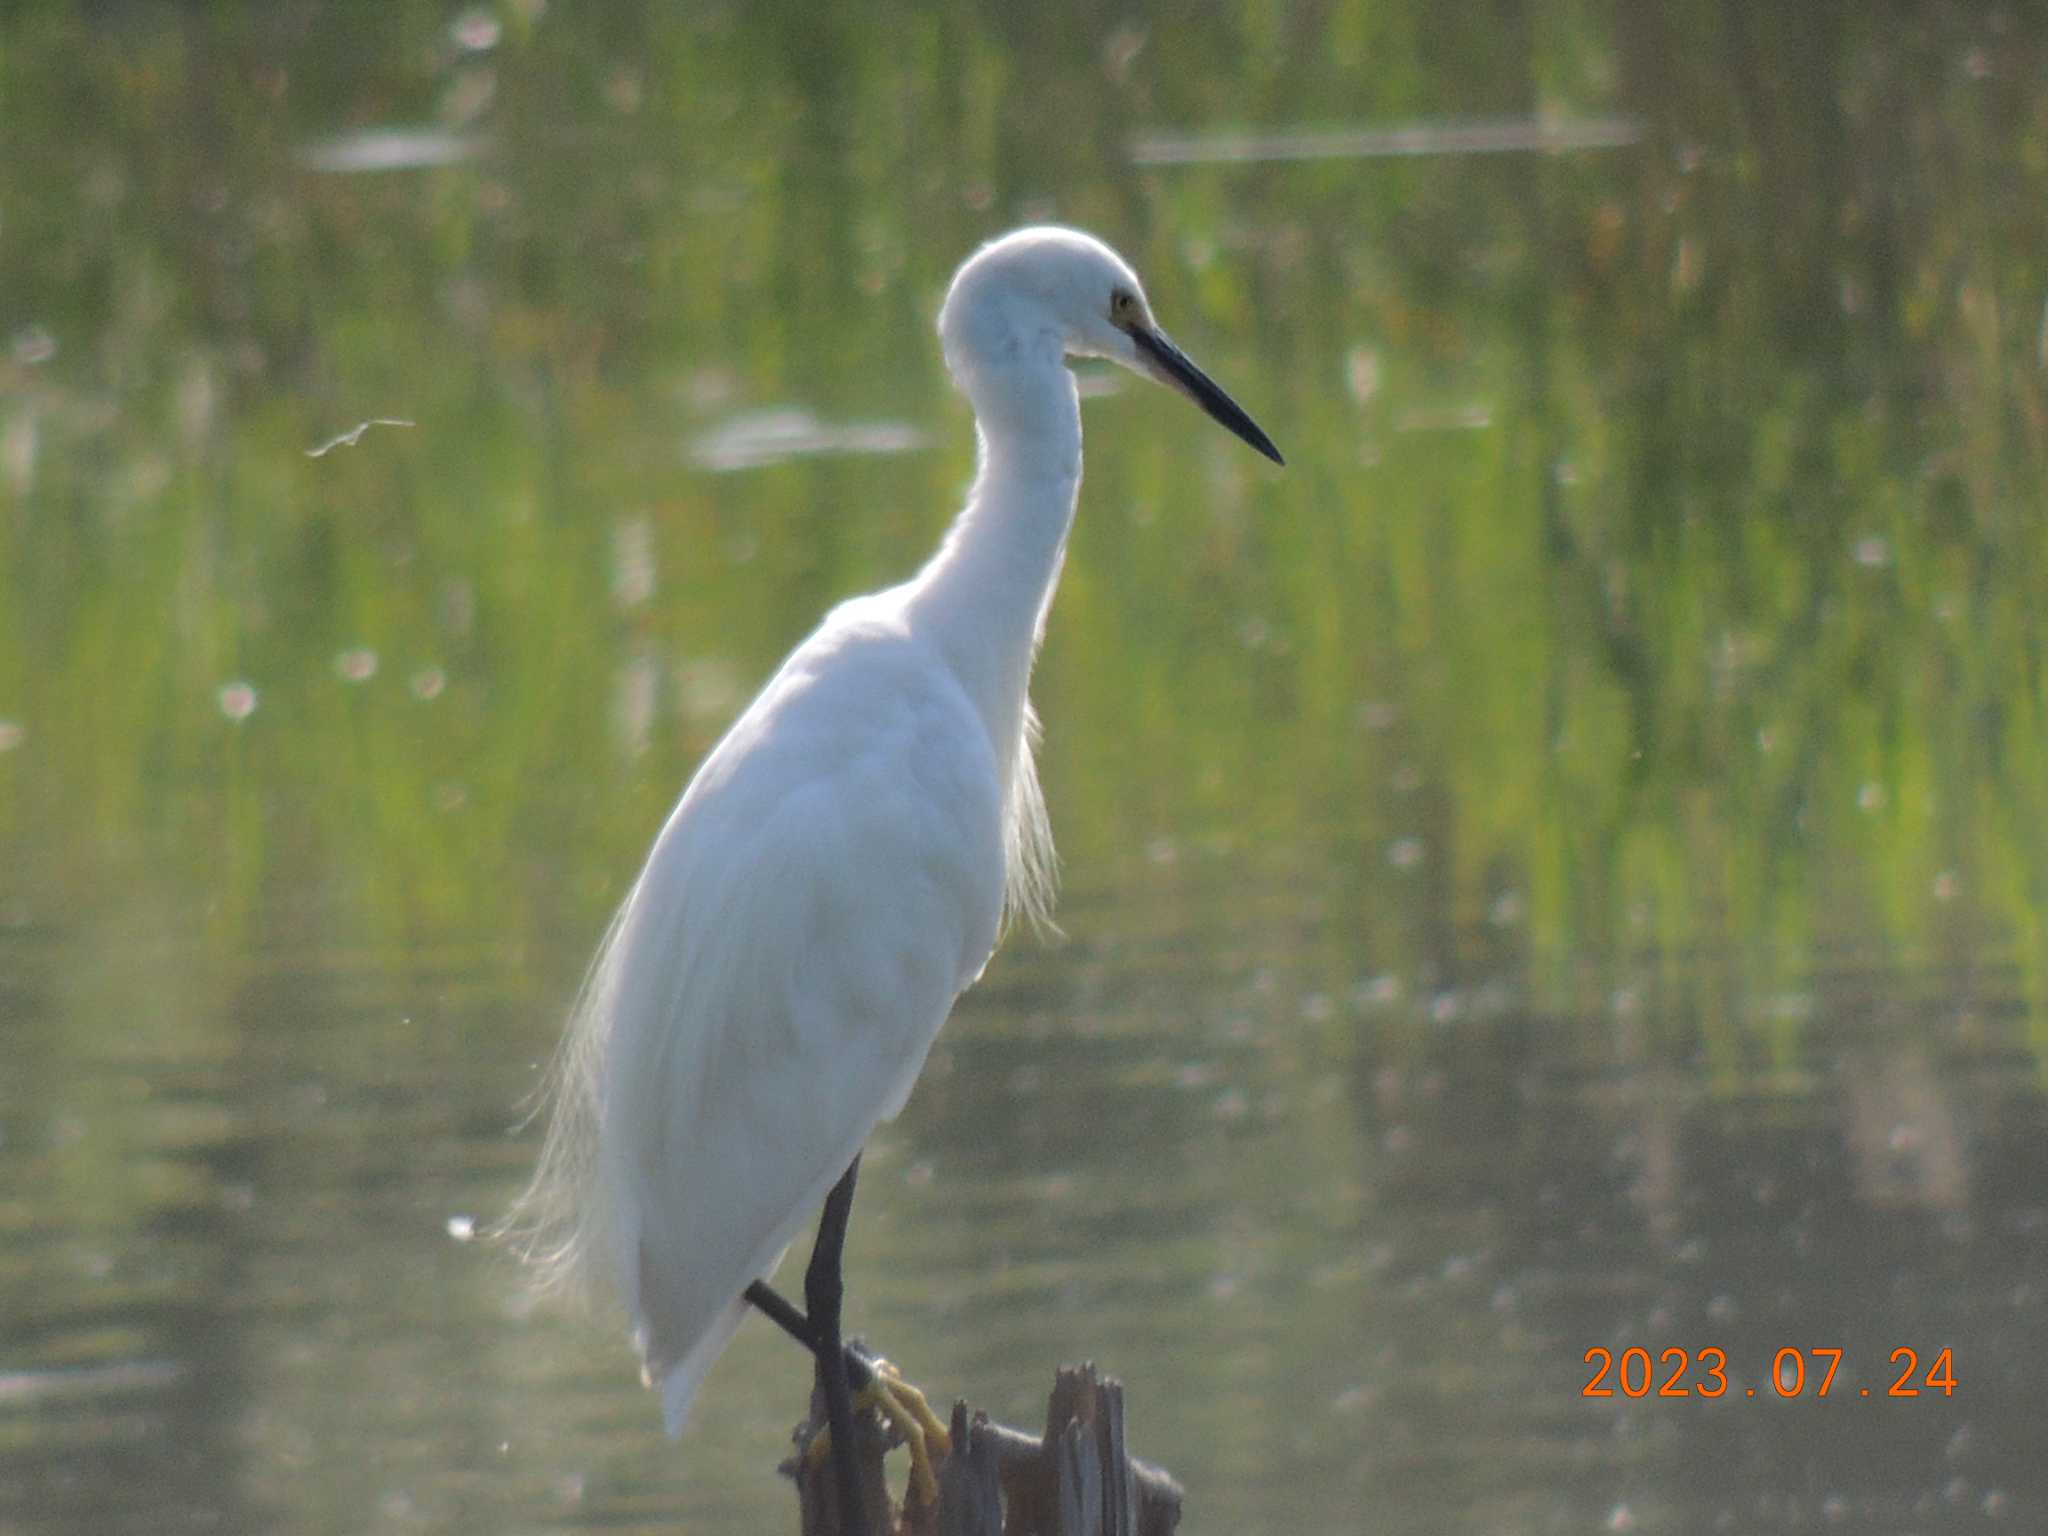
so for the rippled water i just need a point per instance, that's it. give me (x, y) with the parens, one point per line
(1559, 870)
(1338, 1275)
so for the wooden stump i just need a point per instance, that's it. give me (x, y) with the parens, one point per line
(1077, 1479)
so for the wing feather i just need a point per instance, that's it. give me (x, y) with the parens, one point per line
(829, 883)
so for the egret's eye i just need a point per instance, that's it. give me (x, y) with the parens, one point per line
(1123, 306)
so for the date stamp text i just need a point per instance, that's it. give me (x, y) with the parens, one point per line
(1794, 1372)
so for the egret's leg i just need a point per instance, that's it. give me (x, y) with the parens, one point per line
(774, 1306)
(824, 1289)
(878, 1384)
(780, 1311)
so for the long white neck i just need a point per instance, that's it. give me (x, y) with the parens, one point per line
(983, 597)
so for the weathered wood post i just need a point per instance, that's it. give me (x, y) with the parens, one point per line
(1077, 1479)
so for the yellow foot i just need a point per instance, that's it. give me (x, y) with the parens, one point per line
(911, 1417)
(906, 1411)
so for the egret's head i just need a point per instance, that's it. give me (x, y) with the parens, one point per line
(1040, 294)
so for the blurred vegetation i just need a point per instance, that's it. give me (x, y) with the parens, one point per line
(1642, 636)
(1654, 575)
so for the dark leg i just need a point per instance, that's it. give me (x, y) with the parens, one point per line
(776, 1307)
(780, 1311)
(824, 1288)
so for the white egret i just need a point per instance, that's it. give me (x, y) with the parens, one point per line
(837, 871)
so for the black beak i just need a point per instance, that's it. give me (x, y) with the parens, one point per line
(1170, 365)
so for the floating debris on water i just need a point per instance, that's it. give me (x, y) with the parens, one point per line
(756, 439)
(389, 149)
(354, 434)
(1480, 136)
(70, 1382)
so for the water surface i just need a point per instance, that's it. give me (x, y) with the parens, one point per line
(1560, 868)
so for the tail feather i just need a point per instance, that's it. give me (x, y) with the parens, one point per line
(679, 1382)
(558, 1225)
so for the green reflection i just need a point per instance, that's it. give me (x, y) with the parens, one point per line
(1660, 524)
(1647, 617)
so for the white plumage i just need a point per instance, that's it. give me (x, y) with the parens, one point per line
(836, 873)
